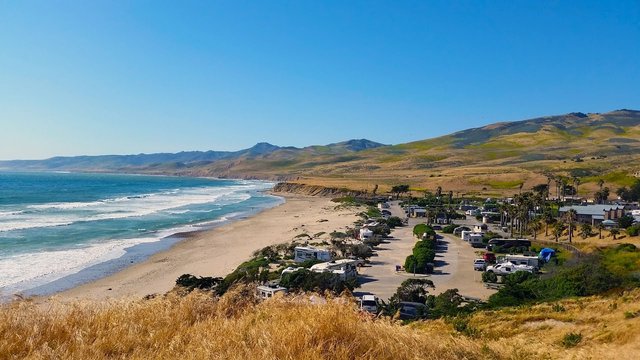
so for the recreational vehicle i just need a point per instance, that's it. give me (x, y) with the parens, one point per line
(304, 253)
(267, 291)
(345, 268)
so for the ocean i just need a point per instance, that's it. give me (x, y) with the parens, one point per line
(59, 230)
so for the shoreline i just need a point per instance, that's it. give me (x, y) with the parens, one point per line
(140, 253)
(216, 251)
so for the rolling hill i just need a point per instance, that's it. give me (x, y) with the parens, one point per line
(490, 160)
(493, 159)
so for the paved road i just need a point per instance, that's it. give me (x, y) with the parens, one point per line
(454, 264)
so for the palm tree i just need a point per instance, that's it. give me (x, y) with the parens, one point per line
(548, 219)
(576, 183)
(585, 230)
(535, 227)
(558, 228)
(570, 217)
(600, 227)
(614, 232)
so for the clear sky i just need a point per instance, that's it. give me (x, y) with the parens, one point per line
(117, 77)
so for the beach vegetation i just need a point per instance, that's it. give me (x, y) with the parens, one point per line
(306, 280)
(190, 282)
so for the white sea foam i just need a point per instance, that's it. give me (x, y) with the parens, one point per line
(25, 271)
(60, 214)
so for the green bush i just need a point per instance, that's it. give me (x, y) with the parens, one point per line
(305, 280)
(421, 230)
(449, 228)
(589, 276)
(394, 221)
(191, 282)
(423, 254)
(489, 277)
(571, 339)
(625, 221)
(633, 230)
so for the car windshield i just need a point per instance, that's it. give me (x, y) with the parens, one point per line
(368, 303)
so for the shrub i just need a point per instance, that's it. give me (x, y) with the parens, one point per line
(461, 325)
(625, 221)
(394, 221)
(449, 228)
(571, 339)
(489, 277)
(414, 290)
(191, 282)
(633, 230)
(305, 280)
(423, 254)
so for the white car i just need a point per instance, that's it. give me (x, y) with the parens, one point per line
(369, 303)
(479, 264)
(507, 268)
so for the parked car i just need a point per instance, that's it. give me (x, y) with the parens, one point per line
(489, 258)
(369, 303)
(479, 264)
(412, 310)
(436, 227)
(358, 261)
(507, 268)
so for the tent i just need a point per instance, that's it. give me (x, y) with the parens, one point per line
(546, 254)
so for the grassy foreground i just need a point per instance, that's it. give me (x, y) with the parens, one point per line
(238, 327)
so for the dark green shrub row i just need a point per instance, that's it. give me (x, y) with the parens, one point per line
(424, 252)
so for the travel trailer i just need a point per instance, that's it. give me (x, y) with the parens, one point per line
(345, 268)
(304, 253)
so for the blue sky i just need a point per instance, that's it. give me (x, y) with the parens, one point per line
(119, 77)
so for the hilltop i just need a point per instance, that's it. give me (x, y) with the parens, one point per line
(495, 158)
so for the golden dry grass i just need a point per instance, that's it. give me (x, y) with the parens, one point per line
(198, 326)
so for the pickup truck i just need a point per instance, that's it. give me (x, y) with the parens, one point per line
(507, 268)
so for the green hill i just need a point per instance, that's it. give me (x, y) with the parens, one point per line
(490, 159)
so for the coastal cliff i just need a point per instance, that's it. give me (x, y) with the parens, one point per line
(314, 190)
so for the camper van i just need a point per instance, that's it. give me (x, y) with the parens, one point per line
(475, 239)
(304, 253)
(345, 268)
(523, 260)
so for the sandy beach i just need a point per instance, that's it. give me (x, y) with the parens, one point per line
(219, 251)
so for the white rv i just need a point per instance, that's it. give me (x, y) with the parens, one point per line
(345, 268)
(304, 253)
(475, 239)
(523, 260)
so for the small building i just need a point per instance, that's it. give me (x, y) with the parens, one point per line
(268, 291)
(345, 268)
(304, 253)
(594, 214)
(418, 212)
